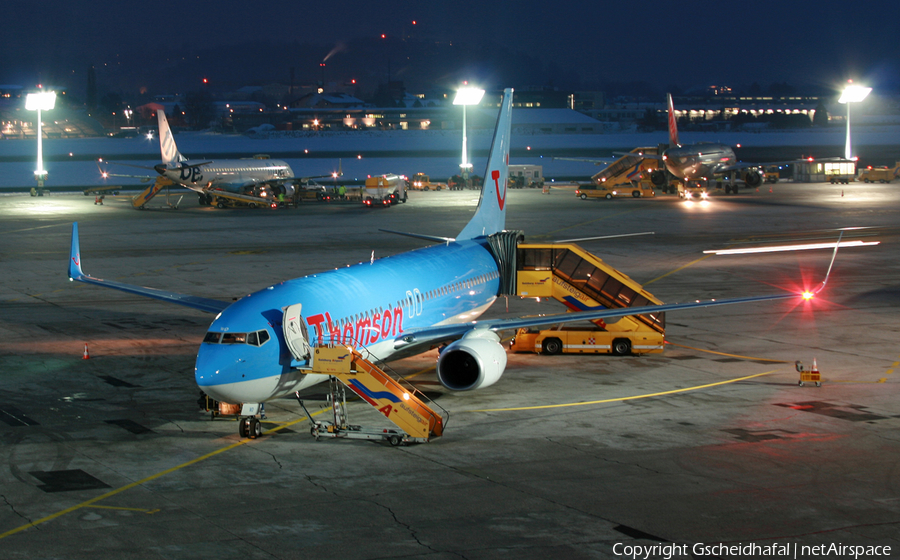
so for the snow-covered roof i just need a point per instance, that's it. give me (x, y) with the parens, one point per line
(550, 116)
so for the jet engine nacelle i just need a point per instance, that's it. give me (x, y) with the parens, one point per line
(475, 361)
(658, 178)
(753, 178)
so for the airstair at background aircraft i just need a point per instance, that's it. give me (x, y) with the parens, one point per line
(630, 166)
(139, 200)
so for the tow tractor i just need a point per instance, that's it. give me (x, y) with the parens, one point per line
(422, 182)
(693, 190)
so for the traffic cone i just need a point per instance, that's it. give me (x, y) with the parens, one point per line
(86, 355)
(842, 192)
(815, 368)
(770, 189)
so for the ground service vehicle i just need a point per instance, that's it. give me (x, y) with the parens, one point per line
(586, 340)
(638, 189)
(693, 190)
(521, 176)
(880, 174)
(422, 182)
(837, 178)
(384, 190)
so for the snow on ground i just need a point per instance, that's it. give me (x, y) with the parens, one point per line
(16, 170)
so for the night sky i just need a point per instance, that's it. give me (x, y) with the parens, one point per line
(688, 43)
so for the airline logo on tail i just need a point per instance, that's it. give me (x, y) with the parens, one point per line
(490, 218)
(495, 175)
(673, 128)
(167, 147)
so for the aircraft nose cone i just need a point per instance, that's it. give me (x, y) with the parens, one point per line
(205, 367)
(210, 374)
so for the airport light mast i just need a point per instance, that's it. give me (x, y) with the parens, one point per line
(466, 95)
(852, 94)
(41, 101)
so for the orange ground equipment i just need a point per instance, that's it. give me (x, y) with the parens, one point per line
(809, 376)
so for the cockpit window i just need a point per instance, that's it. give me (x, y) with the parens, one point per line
(234, 338)
(257, 338)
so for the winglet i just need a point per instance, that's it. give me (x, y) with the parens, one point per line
(673, 127)
(75, 271)
(828, 273)
(490, 217)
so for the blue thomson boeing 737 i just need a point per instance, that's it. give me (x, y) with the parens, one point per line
(258, 348)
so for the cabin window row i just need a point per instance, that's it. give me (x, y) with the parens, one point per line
(431, 294)
(462, 285)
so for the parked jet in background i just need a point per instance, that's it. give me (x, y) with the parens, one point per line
(696, 163)
(705, 161)
(258, 348)
(258, 176)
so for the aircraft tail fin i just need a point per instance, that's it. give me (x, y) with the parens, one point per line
(490, 216)
(167, 147)
(673, 127)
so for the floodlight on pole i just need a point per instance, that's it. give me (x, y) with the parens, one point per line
(41, 101)
(466, 96)
(852, 94)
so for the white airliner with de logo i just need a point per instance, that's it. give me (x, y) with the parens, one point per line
(259, 176)
(395, 306)
(252, 176)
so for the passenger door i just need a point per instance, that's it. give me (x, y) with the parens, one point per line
(295, 333)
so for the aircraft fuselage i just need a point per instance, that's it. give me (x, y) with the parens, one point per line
(365, 305)
(698, 161)
(235, 175)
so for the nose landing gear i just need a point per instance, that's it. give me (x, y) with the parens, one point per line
(250, 427)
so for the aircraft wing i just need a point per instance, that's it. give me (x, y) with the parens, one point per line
(76, 274)
(332, 175)
(421, 339)
(595, 161)
(143, 178)
(427, 337)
